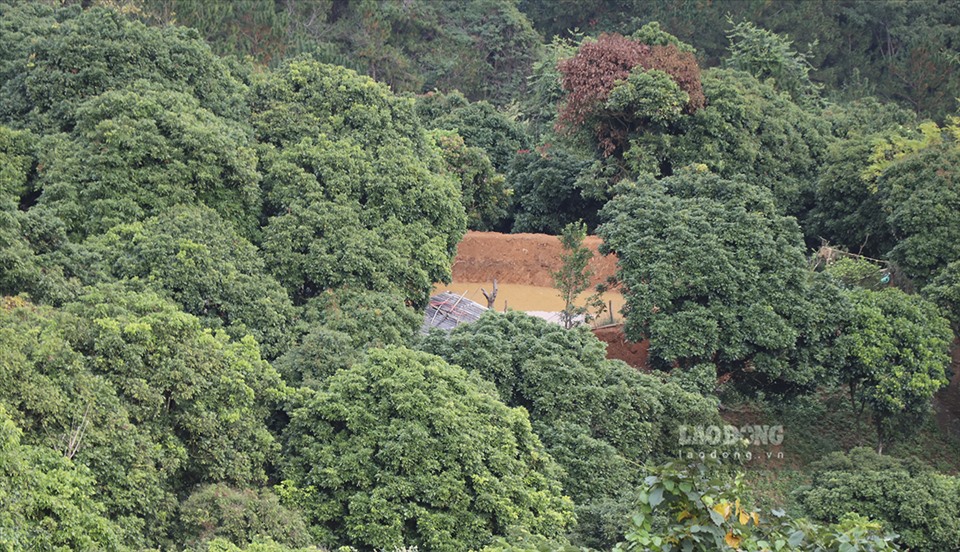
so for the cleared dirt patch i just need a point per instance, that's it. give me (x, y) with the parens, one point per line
(522, 264)
(634, 354)
(524, 297)
(526, 259)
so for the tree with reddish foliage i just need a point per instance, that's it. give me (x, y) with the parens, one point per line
(589, 76)
(612, 61)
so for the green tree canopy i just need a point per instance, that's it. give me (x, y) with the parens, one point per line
(944, 290)
(49, 503)
(218, 511)
(479, 123)
(896, 348)
(748, 128)
(356, 193)
(339, 326)
(600, 419)
(139, 150)
(768, 55)
(404, 449)
(921, 194)
(548, 191)
(19, 268)
(713, 273)
(481, 47)
(484, 193)
(848, 211)
(198, 260)
(142, 395)
(914, 501)
(71, 56)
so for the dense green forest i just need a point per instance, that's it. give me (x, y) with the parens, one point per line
(220, 222)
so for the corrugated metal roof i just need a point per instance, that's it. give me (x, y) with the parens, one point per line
(448, 310)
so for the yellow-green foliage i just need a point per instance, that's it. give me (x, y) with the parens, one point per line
(404, 449)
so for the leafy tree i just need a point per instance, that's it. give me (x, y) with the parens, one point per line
(921, 194)
(848, 209)
(87, 53)
(911, 499)
(339, 326)
(60, 403)
(484, 193)
(573, 278)
(218, 511)
(141, 394)
(766, 54)
(49, 503)
(897, 51)
(855, 272)
(544, 89)
(258, 545)
(479, 123)
(748, 128)
(20, 269)
(356, 194)
(655, 118)
(693, 508)
(481, 47)
(866, 116)
(18, 153)
(138, 151)
(944, 290)
(600, 67)
(405, 449)
(549, 195)
(199, 261)
(896, 349)
(713, 273)
(600, 419)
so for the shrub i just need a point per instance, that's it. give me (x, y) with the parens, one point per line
(218, 511)
(921, 505)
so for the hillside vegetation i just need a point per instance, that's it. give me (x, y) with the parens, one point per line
(220, 223)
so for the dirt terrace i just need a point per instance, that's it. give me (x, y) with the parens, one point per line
(520, 259)
(528, 259)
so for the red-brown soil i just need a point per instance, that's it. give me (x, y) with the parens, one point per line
(947, 401)
(520, 259)
(634, 354)
(528, 259)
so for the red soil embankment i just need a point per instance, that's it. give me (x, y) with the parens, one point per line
(947, 400)
(528, 259)
(634, 354)
(520, 259)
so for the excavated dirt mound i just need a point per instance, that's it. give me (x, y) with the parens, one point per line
(520, 259)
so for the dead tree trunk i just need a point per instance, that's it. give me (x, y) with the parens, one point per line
(491, 297)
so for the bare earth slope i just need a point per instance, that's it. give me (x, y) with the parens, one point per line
(520, 259)
(528, 259)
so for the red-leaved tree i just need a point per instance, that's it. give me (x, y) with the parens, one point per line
(589, 76)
